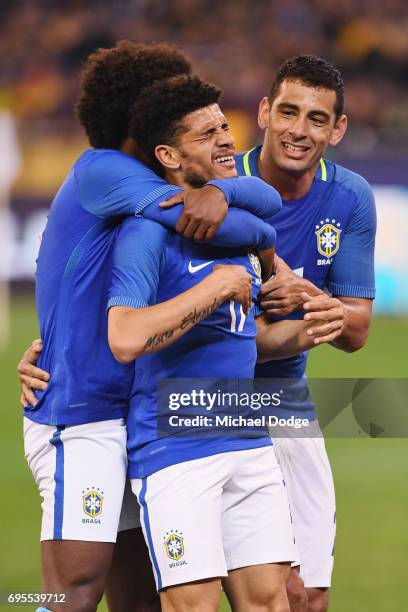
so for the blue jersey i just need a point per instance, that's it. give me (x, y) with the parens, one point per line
(74, 271)
(328, 237)
(222, 345)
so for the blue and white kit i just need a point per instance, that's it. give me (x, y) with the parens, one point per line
(229, 486)
(327, 237)
(66, 441)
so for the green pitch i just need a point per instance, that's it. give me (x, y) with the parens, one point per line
(370, 476)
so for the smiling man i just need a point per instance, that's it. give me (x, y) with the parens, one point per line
(75, 434)
(326, 232)
(213, 504)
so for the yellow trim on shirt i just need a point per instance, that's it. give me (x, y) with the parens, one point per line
(245, 161)
(323, 168)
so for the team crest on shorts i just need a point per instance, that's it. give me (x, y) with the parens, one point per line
(174, 545)
(328, 237)
(255, 263)
(92, 502)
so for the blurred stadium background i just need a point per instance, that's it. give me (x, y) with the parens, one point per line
(238, 44)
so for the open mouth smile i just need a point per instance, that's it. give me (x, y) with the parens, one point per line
(225, 160)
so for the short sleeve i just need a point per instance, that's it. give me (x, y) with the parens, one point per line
(111, 184)
(139, 254)
(251, 193)
(352, 271)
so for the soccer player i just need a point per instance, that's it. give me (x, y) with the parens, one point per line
(212, 507)
(105, 80)
(326, 231)
(75, 437)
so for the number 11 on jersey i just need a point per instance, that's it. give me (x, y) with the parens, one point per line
(237, 314)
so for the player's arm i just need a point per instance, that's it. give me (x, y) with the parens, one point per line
(240, 228)
(282, 339)
(112, 184)
(251, 203)
(247, 192)
(351, 277)
(136, 325)
(134, 332)
(355, 315)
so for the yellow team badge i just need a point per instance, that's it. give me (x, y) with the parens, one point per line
(174, 545)
(92, 502)
(255, 263)
(328, 237)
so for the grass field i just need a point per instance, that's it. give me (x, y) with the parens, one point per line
(371, 481)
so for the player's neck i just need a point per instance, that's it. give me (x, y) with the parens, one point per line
(131, 148)
(291, 186)
(176, 178)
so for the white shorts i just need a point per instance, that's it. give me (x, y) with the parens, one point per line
(308, 477)
(204, 517)
(80, 471)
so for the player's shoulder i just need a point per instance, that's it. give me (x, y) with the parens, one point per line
(345, 178)
(99, 163)
(144, 232)
(144, 226)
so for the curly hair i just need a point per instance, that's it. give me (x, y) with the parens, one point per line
(159, 121)
(111, 81)
(313, 71)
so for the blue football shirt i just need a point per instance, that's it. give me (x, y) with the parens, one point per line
(328, 237)
(221, 346)
(74, 269)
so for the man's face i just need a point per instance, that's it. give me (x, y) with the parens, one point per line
(300, 123)
(205, 148)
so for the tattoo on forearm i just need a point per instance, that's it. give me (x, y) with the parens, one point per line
(157, 340)
(193, 317)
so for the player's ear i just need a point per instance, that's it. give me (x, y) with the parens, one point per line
(168, 157)
(339, 130)
(263, 112)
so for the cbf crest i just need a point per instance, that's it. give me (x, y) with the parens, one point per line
(255, 263)
(92, 502)
(174, 545)
(328, 237)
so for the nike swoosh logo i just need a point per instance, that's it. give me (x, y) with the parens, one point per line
(193, 269)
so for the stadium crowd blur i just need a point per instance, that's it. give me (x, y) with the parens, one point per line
(236, 43)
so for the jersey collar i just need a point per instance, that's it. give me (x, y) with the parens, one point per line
(250, 164)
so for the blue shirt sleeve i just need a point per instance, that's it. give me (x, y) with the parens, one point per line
(352, 271)
(250, 193)
(139, 254)
(111, 184)
(239, 229)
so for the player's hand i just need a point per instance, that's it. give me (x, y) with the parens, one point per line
(267, 259)
(327, 314)
(204, 211)
(281, 295)
(237, 285)
(30, 376)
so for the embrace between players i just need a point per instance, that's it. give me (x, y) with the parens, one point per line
(115, 277)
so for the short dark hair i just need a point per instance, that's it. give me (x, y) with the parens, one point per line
(111, 81)
(157, 114)
(313, 71)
